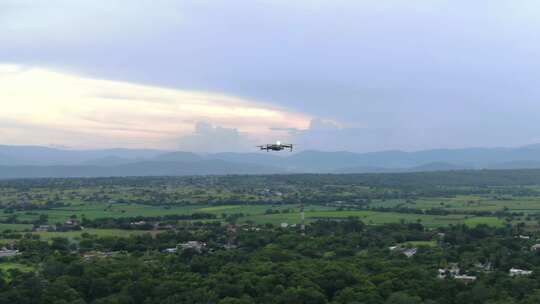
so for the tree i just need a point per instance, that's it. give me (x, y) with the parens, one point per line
(403, 298)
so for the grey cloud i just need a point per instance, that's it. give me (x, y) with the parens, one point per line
(210, 138)
(406, 74)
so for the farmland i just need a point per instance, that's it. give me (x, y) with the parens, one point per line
(26, 204)
(260, 214)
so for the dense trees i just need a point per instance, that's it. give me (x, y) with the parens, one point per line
(336, 262)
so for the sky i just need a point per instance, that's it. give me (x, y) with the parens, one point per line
(210, 76)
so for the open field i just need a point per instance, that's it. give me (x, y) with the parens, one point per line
(466, 203)
(375, 218)
(280, 214)
(6, 267)
(15, 227)
(96, 211)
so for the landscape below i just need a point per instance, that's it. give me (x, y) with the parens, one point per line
(427, 237)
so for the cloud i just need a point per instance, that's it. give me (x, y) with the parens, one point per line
(210, 138)
(319, 124)
(470, 78)
(40, 106)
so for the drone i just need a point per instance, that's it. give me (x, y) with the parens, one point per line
(278, 146)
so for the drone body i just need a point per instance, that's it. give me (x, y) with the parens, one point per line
(278, 146)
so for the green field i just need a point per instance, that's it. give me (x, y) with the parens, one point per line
(466, 203)
(375, 218)
(7, 267)
(95, 211)
(285, 213)
(15, 227)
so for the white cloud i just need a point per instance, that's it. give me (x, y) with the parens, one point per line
(210, 138)
(39, 106)
(324, 124)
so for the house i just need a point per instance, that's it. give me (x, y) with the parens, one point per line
(161, 226)
(71, 223)
(486, 267)
(454, 272)
(408, 252)
(535, 247)
(442, 273)
(523, 237)
(519, 272)
(98, 254)
(465, 278)
(170, 250)
(4, 252)
(284, 225)
(139, 223)
(449, 272)
(44, 228)
(193, 245)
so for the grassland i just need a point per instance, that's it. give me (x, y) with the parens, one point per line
(280, 213)
(375, 218)
(15, 227)
(7, 267)
(467, 203)
(95, 211)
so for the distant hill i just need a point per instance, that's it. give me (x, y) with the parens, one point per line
(431, 167)
(30, 161)
(108, 161)
(178, 157)
(523, 164)
(7, 161)
(45, 156)
(266, 158)
(148, 168)
(438, 166)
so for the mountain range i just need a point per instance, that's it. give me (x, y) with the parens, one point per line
(38, 161)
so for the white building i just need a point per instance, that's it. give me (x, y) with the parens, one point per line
(449, 272)
(465, 278)
(8, 253)
(519, 272)
(194, 245)
(410, 252)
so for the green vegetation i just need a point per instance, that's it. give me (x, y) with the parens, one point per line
(77, 235)
(116, 240)
(336, 262)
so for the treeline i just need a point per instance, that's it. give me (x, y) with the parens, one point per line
(462, 178)
(441, 211)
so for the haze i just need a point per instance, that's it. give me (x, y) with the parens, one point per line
(210, 76)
